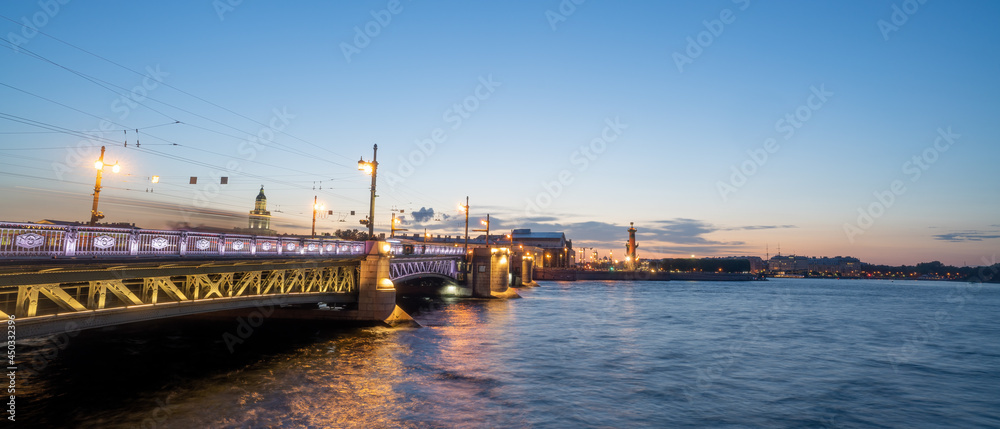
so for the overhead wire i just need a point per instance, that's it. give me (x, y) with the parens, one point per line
(104, 84)
(174, 87)
(98, 82)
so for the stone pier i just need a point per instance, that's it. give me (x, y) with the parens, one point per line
(490, 271)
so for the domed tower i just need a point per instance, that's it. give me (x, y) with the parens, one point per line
(260, 218)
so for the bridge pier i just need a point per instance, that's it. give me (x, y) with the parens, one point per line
(490, 272)
(376, 293)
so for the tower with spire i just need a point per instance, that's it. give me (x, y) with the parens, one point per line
(260, 218)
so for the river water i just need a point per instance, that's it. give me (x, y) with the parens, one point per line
(781, 353)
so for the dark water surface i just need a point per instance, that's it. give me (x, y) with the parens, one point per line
(782, 353)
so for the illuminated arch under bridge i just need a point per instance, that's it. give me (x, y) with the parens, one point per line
(403, 269)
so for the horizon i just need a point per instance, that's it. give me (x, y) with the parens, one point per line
(720, 129)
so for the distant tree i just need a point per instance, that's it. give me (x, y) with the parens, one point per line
(935, 267)
(351, 234)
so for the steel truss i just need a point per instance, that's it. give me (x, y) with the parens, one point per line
(402, 268)
(74, 297)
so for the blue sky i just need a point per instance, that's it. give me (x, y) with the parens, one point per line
(540, 83)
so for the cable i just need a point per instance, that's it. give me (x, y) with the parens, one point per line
(172, 87)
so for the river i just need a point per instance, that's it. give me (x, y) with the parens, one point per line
(780, 353)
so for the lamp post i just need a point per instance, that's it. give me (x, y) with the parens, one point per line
(316, 207)
(392, 226)
(99, 165)
(371, 168)
(465, 209)
(487, 230)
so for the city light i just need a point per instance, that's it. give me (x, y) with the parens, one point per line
(99, 165)
(366, 166)
(317, 207)
(371, 169)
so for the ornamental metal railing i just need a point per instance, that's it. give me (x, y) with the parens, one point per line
(30, 240)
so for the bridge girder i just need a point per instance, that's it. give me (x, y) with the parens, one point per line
(71, 297)
(406, 269)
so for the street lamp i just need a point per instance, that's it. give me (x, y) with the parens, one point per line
(465, 209)
(392, 226)
(371, 168)
(316, 207)
(100, 165)
(487, 230)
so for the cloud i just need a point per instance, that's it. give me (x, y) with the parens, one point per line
(755, 227)
(662, 237)
(957, 237)
(423, 215)
(685, 231)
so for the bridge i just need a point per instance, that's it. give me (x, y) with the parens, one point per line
(63, 278)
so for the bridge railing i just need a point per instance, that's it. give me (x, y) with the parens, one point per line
(407, 249)
(31, 240)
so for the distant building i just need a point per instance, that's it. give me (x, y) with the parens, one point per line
(557, 251)
(803, 264)
(260, 218)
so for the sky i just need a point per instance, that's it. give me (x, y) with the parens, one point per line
(725, 127)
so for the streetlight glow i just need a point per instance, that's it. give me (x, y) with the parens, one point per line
(371, 169)
(99, 165)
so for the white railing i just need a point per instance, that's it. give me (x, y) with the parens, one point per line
(30, 240)
(417, 248)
